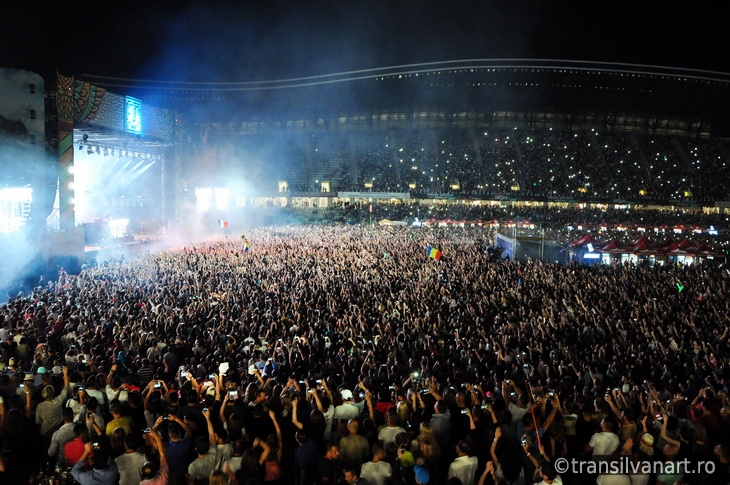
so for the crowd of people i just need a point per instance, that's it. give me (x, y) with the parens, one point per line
(345, 354)
(512, 162)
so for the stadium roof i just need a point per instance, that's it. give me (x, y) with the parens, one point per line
(575, 88)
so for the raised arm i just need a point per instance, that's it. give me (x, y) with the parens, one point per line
(258, 442)
(497, 435)
(272, 415)
(294, 419)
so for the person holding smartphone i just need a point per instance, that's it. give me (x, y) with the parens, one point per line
(49, 413)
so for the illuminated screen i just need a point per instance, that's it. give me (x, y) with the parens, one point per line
(14, 208)
(134, 115)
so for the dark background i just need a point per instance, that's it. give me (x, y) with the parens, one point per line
(223, 40)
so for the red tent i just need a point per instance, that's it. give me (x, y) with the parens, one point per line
(583, 241)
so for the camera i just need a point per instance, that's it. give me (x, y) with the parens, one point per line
(211, 376)
(310, 391)
(232, 395)
(81, 388)
(424, 391)
(95, 445)
(464, 411)
(147, 431)
(166, 417)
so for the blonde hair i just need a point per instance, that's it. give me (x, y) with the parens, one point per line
(218, 477)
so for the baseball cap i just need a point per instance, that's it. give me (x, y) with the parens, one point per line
(422, 474)
(48, 392)
(346, 394)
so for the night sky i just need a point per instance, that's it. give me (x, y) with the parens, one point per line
(225, 41)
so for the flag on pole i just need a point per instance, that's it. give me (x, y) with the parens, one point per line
(223, 224)
(433, 253)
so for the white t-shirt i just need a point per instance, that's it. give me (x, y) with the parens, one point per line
(376, 473)
(329, 417)
(348, 410)
(604, 443)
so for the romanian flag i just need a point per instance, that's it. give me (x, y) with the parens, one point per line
(223, 224)
(433, 253)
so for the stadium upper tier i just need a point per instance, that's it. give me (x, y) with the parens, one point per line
(467, 162)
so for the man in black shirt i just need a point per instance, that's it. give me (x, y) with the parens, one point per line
(327, 469)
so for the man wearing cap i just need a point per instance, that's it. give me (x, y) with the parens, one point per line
(423, 476)
(348, 409)
(41, 379)
(49, 413)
